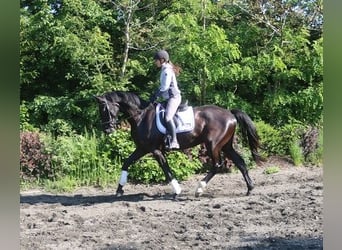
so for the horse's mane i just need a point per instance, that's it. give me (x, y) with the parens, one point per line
(129, 98)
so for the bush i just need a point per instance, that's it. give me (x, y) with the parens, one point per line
(303, 143)
(270, 139)
(35, 161)
(59, 127)
(68, 161)
(25, 119)
(82, 159)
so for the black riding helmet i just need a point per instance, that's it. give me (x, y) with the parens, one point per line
(162, 54)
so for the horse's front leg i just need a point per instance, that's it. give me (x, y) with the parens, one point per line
(136, 155)
(160, 157)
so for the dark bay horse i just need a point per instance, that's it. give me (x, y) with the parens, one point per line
(214, 127)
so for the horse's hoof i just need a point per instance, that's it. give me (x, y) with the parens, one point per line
(175, 197)
(119, 194)
(248, 192)
(198, 194)
(250, 188)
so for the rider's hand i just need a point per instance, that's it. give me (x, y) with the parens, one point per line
(152, 99)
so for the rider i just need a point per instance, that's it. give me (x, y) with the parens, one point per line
(168, 90)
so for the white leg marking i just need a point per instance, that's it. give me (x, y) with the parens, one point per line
(123, 178)
(201, 186)
(176, 187)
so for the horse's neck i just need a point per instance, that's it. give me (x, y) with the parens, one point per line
(133, 114)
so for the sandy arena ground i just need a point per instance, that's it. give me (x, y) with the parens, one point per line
(284, 211)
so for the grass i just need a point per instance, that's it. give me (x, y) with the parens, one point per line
(296, 153)
(66, 184)
(272, 170)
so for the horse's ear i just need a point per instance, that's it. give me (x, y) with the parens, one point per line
(97, 98)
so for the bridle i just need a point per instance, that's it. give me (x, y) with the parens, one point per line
(112, 121)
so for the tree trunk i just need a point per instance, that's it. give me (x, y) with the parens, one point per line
(127, 41)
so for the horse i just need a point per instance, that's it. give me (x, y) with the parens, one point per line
(214, 127)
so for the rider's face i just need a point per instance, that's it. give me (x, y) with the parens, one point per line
(158, 63)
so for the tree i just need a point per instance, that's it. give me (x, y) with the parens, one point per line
(200, 46)
(263, 56)
(65, 58)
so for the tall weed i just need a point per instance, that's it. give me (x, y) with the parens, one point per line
(296, 153)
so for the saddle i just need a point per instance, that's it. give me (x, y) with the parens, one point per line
(182, 107)
(184, 118)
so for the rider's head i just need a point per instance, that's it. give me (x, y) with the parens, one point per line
(161, 56)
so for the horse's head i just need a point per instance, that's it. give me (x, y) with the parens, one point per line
(108, 113)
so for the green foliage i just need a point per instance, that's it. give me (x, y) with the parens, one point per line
(296, 153)
(81, 158)
(305, 105)
(60, 115)
(272, 170)
(25, 123)
(294, 140)
(200, 43)
(270, 139)
(230, 55)
(64, 184)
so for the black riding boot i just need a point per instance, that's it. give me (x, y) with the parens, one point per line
(170, 125)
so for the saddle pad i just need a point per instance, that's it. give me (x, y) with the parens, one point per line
(185, 120)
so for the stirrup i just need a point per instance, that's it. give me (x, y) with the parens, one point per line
(169, 145)
(174, 145)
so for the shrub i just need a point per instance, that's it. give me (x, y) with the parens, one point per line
(270, 139)
(82, 159)
(25, 119)
(303, 143)
(59, 127)
(35, 161)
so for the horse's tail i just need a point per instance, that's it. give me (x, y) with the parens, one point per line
(249, 131)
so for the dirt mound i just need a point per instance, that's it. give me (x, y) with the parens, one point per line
(284, 211)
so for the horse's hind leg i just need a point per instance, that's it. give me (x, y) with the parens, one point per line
(240, 163)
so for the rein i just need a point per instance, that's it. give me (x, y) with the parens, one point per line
(135, 115)
(131, 106)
